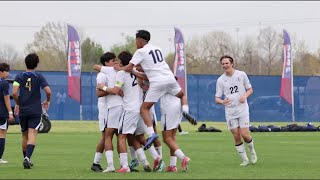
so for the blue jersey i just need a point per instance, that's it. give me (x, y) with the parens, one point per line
(4, 91)
(30, 84)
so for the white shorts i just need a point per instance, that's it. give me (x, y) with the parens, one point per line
(129, 122)
(4, 124)
(113, 117)
(153, 116)
(102, 107)
(141, 127)
(156, 90)
(242, 122)
(171, 119)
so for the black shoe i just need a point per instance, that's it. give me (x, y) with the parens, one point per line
(27, 164)
(190, 118)
(96, 167)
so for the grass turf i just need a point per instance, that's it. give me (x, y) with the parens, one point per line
(67, 152)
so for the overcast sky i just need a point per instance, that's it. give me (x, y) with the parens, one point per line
(107, 22)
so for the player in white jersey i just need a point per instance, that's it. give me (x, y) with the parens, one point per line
(160, 77)
(114, 109)
(235, 86)
(102, 109)
(130, 117)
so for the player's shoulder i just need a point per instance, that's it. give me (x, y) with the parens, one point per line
(221, 77)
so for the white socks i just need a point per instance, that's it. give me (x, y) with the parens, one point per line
(179, 154)
(173, 160)
(97, 158)
(159, 150)
(154, 153)
(133, 153)
(124, 160)
(242, 152)
(109, 156)
(142, 157)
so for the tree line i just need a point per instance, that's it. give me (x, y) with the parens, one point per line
(260, 55)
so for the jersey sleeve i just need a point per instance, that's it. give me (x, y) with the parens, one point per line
(42, 81)
(106, 69)
(5, 89)
(137, 57)
(120, 78)
(219, 88)
(246, 80)
(17, 80)
(101, 79)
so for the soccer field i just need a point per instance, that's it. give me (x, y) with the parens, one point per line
(67, 152)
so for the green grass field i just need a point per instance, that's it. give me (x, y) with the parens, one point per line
(67, 152)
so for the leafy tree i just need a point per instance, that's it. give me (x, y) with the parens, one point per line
(90, 54)
(129, 45)
(8, 55)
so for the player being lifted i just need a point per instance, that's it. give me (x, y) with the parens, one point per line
(130, 117)
(160, 77)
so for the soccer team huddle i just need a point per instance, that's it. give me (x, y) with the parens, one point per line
(127, 93)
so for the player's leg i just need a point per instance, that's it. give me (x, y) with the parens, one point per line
(98, 155)
(173, 158)
(233, 126)
(170, 122)
(33, 126)
(3, 132)
(140, 153)
(245, 134)
(157, 160)
(144, 110)
(133, 154)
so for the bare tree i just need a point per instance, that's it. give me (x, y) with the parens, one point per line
(270, 44)
(51, 45)
(8, 54)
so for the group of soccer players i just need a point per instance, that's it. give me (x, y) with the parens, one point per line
(124, 83)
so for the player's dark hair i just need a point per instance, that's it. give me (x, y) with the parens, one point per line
(125, 57)
(32, 61)
(4, 67)
(143, 34)
(106, 57)
(227, 56)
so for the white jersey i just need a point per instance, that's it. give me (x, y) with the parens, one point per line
(169, 102)
(233, 87)
(153, 63)
(102, 78)
(112, 100)
(133, 94)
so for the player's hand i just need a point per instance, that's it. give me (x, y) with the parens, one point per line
(16, 110)
(100, 86)
(11, 118)
(226, 102)
(45, 105)
(97, 67)
(121, 93)
(243, 99)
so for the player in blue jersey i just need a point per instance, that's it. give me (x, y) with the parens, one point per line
(5, 107)
(27, 96)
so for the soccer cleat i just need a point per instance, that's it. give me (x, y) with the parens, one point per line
(3, 161)
(162, 166)
(190, 118)
(146, 168)
(156, 164)
(253, 157)
(184, 163)
(123, 170)
(134, 163)
(26, 164)
(109, 169)
(172, 169)
(183, 132)
(244, 163)
(150, 141)
(96, 167)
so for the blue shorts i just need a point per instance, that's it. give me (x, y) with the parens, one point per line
(30, 121)
(4, 123)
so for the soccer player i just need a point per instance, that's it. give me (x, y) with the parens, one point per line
(105, 60)
(27, 96)
(114, 111)
(171, 116)
(160, 77)
(132, 101)
(235, 86)
(5, 107)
